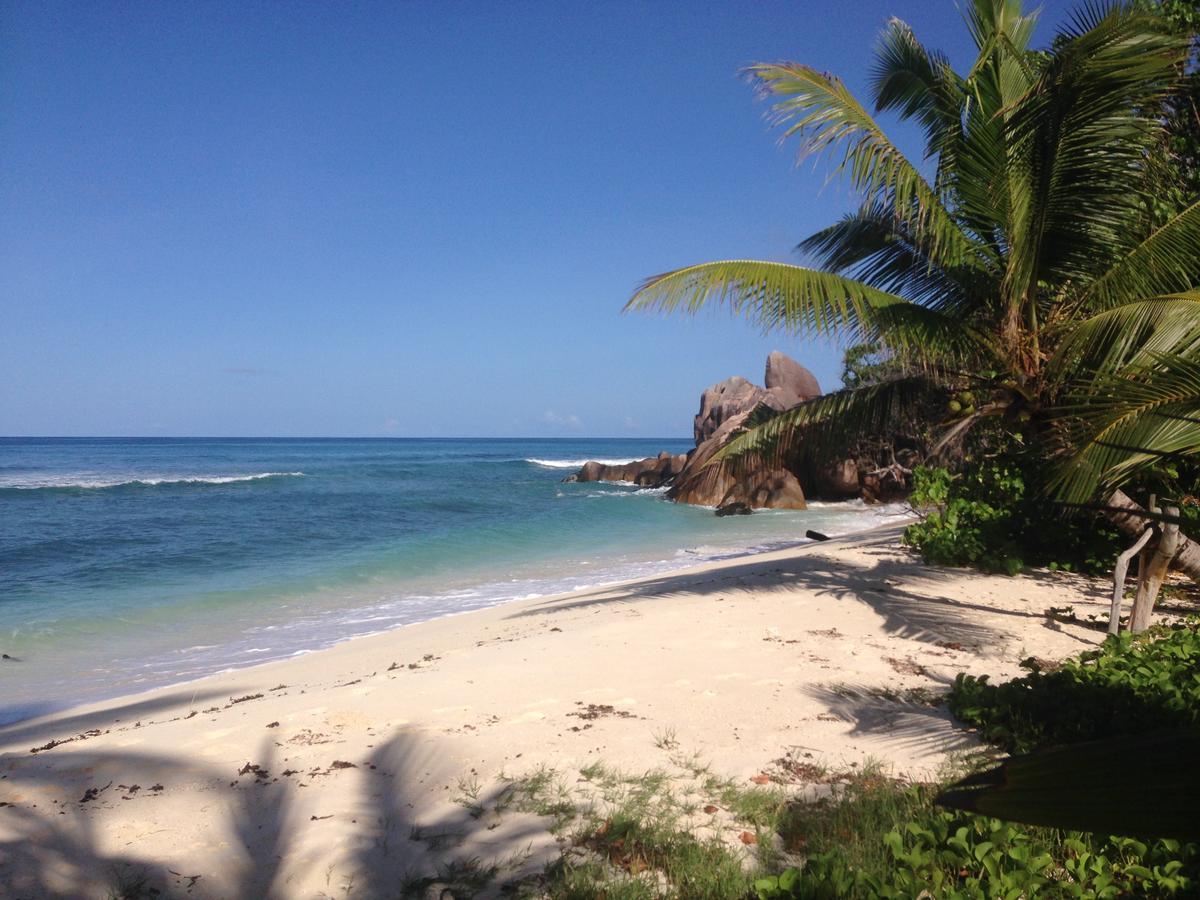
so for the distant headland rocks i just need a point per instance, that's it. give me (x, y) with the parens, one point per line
(725, 410)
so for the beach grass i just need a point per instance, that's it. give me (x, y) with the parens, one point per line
(683, 831)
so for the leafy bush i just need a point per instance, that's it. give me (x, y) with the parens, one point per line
(962, 527)
(994, 515)
(948, 855)
(1130, 684)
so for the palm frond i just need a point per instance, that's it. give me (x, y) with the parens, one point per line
(1128, 335)
(823, 114)
(1086, 786)
(871, 246)
(988, 19)
(1130, 421)
(918, 83)
(831, 422)
(781, 296)
(989, 196)
(1079, 139)
(1165, 262)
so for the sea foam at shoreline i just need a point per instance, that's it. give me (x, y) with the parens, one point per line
(171, 560)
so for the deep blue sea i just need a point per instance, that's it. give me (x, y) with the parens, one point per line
(127, 564)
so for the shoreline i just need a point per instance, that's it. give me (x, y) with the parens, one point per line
(493, 594)
(830, 650)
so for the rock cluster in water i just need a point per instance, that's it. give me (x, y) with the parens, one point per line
(725, 409)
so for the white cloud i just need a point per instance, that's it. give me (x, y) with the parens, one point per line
(572, 421)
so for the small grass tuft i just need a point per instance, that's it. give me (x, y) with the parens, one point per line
(666, 739)
(468, 795)
(458, 878)
(543, 793)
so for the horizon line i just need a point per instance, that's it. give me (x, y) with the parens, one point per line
(330, 437)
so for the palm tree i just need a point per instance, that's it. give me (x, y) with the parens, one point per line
(1130, 420)
(1024, 269)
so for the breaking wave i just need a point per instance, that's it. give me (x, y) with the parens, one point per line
(80, 482)
(577, 463)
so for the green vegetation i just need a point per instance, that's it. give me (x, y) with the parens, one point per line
(1175, 165)
(969, 519)
(894, 843)
(640, 852)
(873, 836)
(954, 855)
(1131, 684)
(1039, 293)
(643, 835)
(993, 515)
(1041, 284)
(1108, 741)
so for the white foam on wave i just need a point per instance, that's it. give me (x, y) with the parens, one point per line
(577, 463)
(640, 492)
(856, 503)
(317, 625)
(93, 483)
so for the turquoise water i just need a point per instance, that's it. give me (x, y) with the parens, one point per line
(127, 564)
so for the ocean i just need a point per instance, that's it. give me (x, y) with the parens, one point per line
(128, 564)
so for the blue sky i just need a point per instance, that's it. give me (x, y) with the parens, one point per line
(409, 219)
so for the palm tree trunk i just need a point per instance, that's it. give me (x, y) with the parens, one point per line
(1187, 557)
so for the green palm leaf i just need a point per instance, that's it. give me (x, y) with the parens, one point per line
(1165, 262)
(919, 83)
(1129, 421)
(1088, 787)
(1079, 139)
(781, 296)
(1130, 334)
(831, 421)
(821, 112)
(871, 246)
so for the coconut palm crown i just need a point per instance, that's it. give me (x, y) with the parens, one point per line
(1023, 268)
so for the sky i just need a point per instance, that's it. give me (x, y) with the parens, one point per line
(399, 219)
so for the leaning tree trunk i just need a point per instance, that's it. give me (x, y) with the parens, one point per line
(1119, 570)
(1152, 571)
(1187, 556)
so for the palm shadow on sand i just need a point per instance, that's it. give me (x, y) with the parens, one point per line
(403, 845)
(935, 615)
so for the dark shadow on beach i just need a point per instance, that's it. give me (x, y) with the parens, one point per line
(57, 852)
(402, 847)
(937, 617)
(76, 726)
(406, 851)
(905, 719)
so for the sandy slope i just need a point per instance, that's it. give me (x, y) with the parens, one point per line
(365, 745)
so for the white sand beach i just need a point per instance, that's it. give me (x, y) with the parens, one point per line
(341, 772)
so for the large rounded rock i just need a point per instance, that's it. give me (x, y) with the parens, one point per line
(789, 381)
(724, 409)
(723, 401)
(838, 480)
(654, 471)
(724, 483)
(777, 489)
